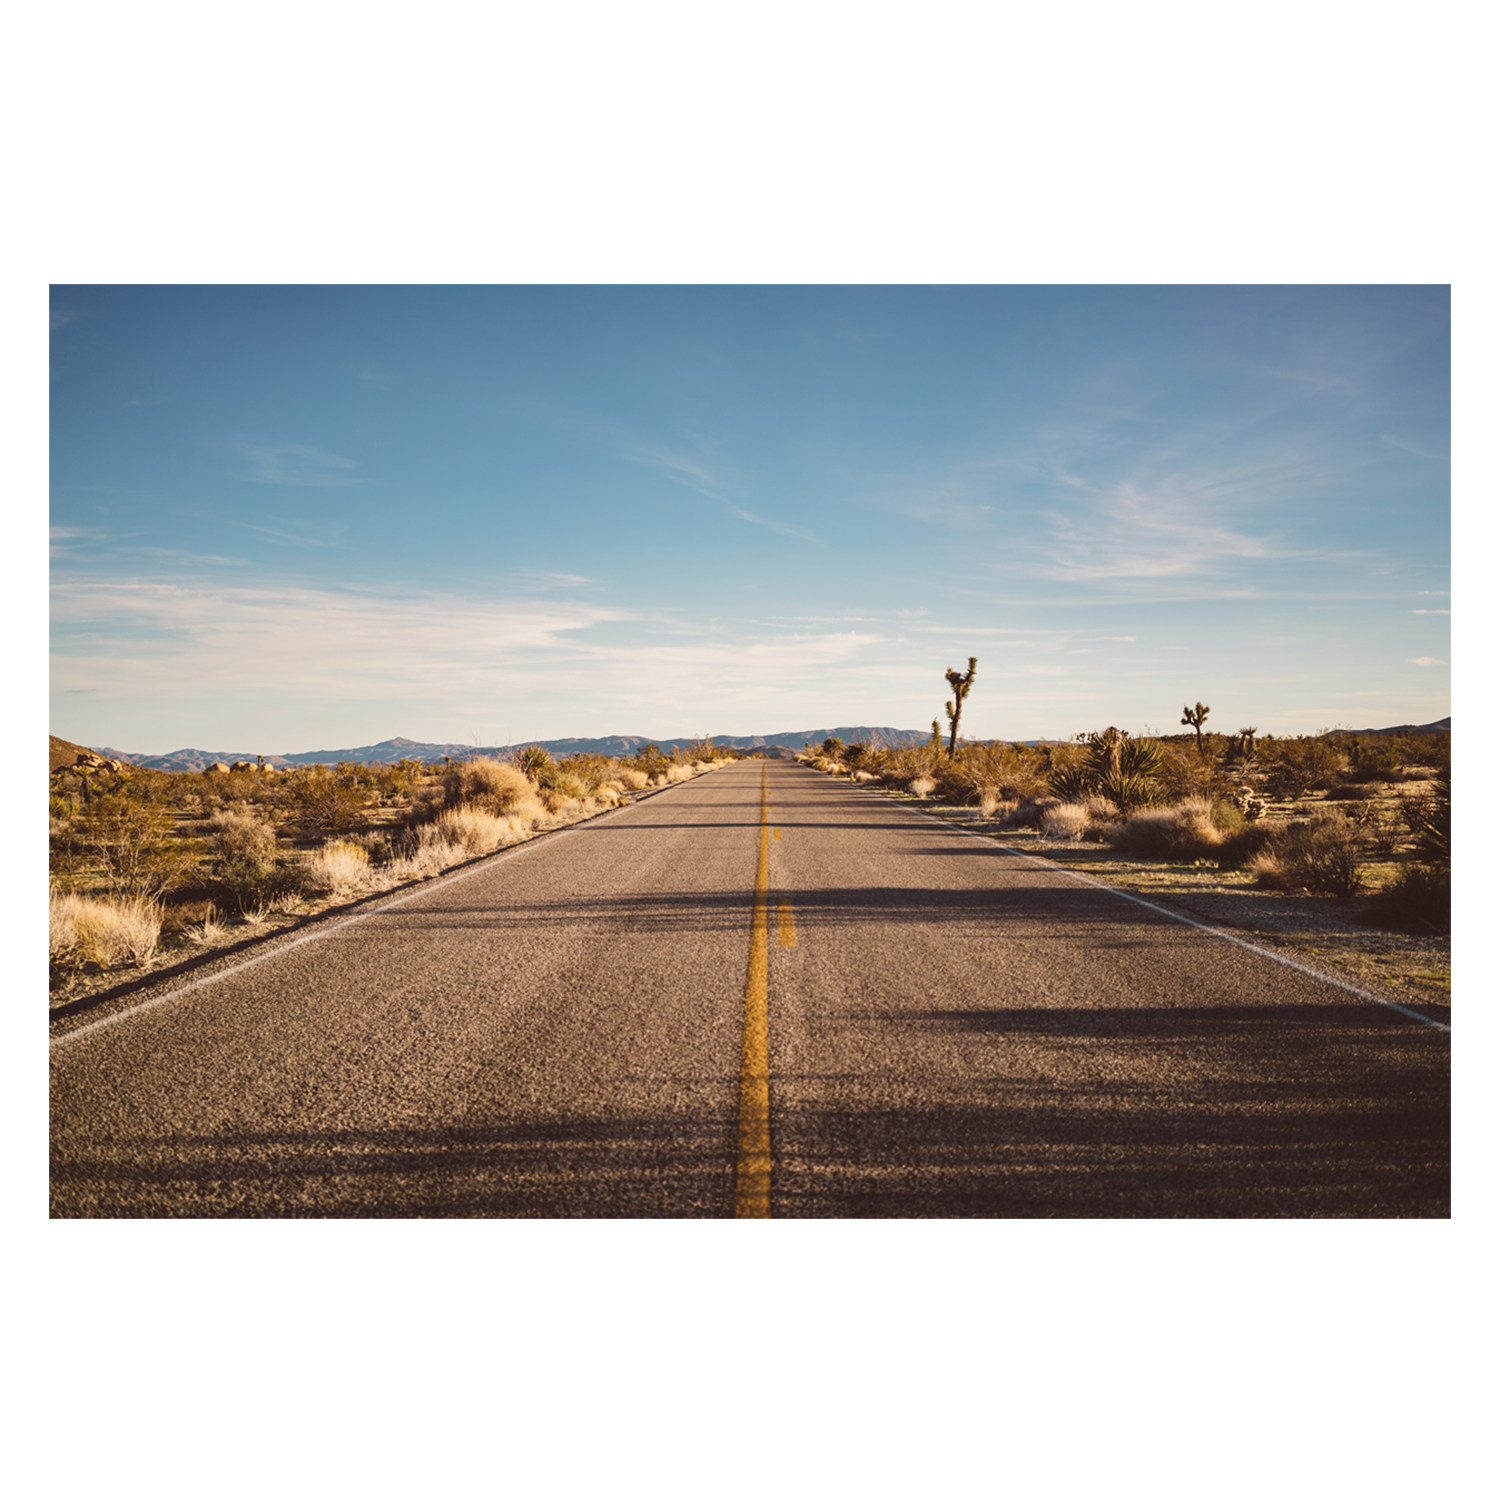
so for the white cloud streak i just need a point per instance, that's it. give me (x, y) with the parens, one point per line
(167, 640)
(295, 464)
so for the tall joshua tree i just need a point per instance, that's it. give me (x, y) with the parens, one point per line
(1195, 716)
(960, 682)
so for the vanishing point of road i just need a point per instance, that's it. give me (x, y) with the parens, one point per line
(759, 993)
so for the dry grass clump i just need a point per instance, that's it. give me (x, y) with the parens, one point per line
(474, 830)
(1065, 820)
(1001, 809)
(430, 855)
(88, 929)
(922, 786)
(632, 779)
(1186, 831)
(1318, 854)
(337, 867)
(239, 834)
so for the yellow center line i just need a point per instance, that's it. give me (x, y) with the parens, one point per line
(786, 929)
(775, 833)
(752, 1177)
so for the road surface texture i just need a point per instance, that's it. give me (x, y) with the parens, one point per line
(760, 993)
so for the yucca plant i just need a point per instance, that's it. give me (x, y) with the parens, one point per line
(533, 760)
(1117, 767)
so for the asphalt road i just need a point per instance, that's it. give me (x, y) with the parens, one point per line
(799, 1000)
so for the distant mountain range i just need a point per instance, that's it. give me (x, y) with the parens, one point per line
(388, 751)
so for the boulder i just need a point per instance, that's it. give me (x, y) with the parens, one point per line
(217, 767)
(242, 765)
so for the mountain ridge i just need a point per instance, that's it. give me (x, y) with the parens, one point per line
(401, 748)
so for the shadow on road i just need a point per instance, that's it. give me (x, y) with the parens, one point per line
(621, 1166)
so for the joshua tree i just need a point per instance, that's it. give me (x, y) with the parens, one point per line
(1195, 716)
(960, 682)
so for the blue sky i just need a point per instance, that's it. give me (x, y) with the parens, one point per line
(290, 518)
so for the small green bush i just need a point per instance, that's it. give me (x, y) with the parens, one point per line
(1419, 899)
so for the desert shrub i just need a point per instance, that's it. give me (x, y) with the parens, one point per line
(650, 761)
(1319, 853)
(1382, 831)
(1186, 831)
(992, 768)
(66, 852)
(132, 837)
(570, 784)
(590, 770)
(922, 786)
(85, 929)
(1241, 846)
(1268, 871)
(1228, 817)
(1359, 792)
(327, 799)
(256, 880)
(1429, 815)
(239, 835)
(1184, 774)
(336, 867)
(1419, 899)
(1029, 812)
(494, 787)
(390, 781)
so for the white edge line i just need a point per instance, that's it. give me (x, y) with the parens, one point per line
(499, 857)
(1217, 932)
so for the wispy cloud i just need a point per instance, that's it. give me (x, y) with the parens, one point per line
(1439, 458)
(1165, 533)
(1321, 379)
(299, 538)
(63, 539)
(179, 640)
(296, 464)
(1432, 611)
(213, 559)
(1426, 661)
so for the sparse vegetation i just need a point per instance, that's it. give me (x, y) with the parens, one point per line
(150, 863)
(1361, 819)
